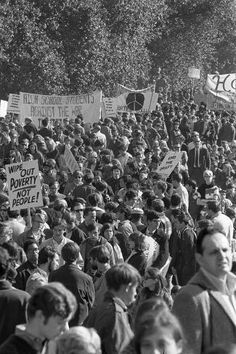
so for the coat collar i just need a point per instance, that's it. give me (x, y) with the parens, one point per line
(5, 284)
(227, 302)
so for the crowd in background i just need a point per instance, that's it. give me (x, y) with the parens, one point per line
(114, 232)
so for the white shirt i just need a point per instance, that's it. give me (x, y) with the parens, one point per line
(182, 191)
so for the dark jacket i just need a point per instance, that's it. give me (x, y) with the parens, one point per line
(81, 285)
(183, 257)
(12, 309)
(23, 273)
(110, 320)
(17, 345)
(204, 159)
(162, 239)
(139, 261)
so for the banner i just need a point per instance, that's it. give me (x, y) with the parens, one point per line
(219, 92)
(60, 107)
(13, 104)
(222, 83)
(130, 100)
(24, 185)
(171, 159)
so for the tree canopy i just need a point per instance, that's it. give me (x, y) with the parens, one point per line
(73, 46)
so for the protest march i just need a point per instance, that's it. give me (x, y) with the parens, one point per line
(126, 205)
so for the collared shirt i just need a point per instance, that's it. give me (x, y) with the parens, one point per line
(227, 287)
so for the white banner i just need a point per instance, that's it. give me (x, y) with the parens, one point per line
(168, 164)
(13, 104)
(60, 107)
(130, 100)
(24, 185)
(225, 83)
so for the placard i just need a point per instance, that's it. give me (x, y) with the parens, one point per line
(70, 160)
(171, 159)
(24, 185)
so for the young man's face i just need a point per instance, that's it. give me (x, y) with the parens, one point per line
(52, 327)
(58, 231)
(91, 216)
(94, 233)
(33, 253)
(130, 294)
(116, 173)
(54, 263)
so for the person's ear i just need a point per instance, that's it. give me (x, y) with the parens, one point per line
(198, 258)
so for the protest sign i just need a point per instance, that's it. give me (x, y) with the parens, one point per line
(13, 104)
(24, 185)
(131, 100)
(70, 160)
(171, 159)
(219, 93)
(57, 108)
(194, 73)
(3, 108)
(222, 83)
(109, 107)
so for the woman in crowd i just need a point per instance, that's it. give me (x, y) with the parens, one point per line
(107, 231)
(158, 333)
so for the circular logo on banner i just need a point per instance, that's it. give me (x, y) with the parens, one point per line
(135, 101)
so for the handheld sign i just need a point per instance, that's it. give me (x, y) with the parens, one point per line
(70, 160)
(194, 73)
(24, 185)
(168, 164)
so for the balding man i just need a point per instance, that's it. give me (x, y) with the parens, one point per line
(206, 306)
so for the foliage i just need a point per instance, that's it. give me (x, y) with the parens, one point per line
(73, 46)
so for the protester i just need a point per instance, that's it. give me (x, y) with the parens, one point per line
(110, 318)
(205, 305)
(13, 302)
(48, 261)
(110, 187)
(79, 283)
(48, 312)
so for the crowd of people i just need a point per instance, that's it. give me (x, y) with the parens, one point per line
(119, 259)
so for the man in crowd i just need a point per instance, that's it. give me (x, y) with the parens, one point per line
(206, 305)
(110, 319)
(48, 261)
(27, 268)
(48, 312)
(79, 283)
(12, 301)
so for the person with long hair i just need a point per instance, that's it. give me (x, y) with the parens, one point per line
(158, 334)
(154, 285)
(107, 231)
